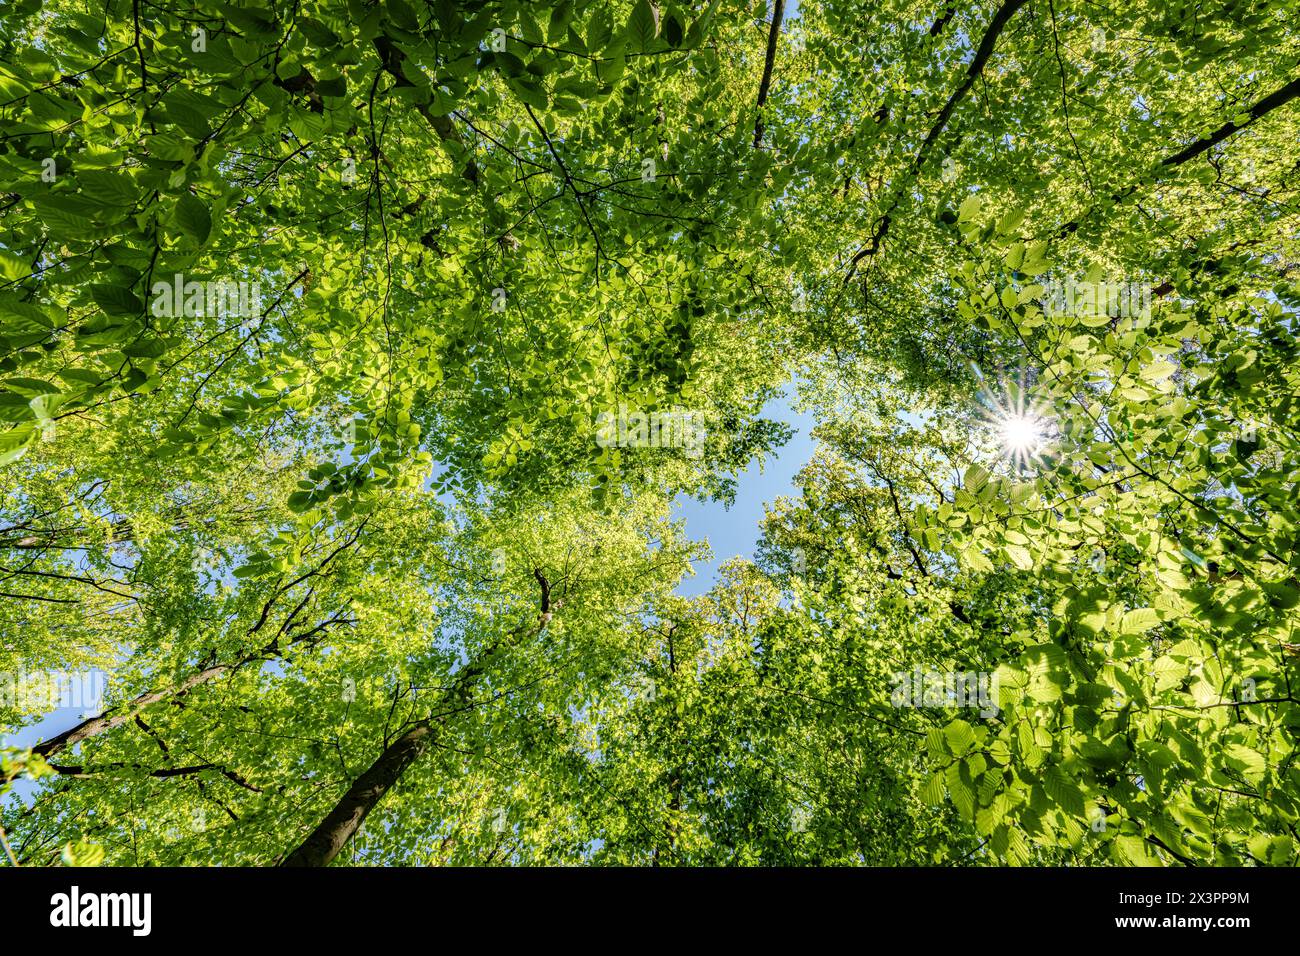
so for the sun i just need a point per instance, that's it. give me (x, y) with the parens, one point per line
(1021, 434)
(1022, 429)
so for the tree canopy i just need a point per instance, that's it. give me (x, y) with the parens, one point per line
(353, 356)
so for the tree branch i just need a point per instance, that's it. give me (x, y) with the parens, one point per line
(778, 13)
(995, 28)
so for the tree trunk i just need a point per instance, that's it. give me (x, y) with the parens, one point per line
(346, 818)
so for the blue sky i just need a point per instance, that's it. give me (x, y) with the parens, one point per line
(734, 531)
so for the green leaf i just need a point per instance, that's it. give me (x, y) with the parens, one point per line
(14, 443)
(1064, 791)
(192, 217)
(642, 27)
(1249, 762)
(672, 31)
(1139, 621)
(11, 267)
(110, 189)
(975, 478)
(963, 795)
(1020, 557)
(117, 301)
(933, 789)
